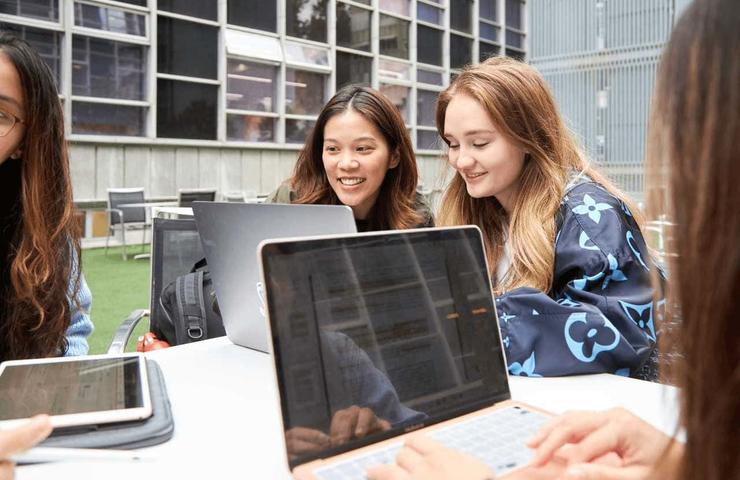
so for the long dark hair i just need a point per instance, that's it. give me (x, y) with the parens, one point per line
(44, 245)
(394, 208)
(695, 125)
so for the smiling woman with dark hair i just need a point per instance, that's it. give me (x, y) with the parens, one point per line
(44, 301)
(359, 154)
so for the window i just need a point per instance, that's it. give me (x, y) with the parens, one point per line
(103, 68)
(428, 140)
(106, 119)
(429, 45)
(394, 37)
(300, 53)
(251, 86)
(516, 54)
(400, 7)
(353, 69)
(206, 9)
(514, 39)
(514, 14)
(430, 77)
(428, 13)
(186, 48)
(256, 14)
(42, 9)
(110, 19)
(46, 42)
(253, 45)
(305, 92)
(250, 128)
(186, 110)
(399, 96)
(296, 131)
(306, 19)
(394, 70)
(489, 32)
(461, 14)
(487, 9)
(486, 51)
(426, 102)
(353, 27)
(141, 3)
(460, 51)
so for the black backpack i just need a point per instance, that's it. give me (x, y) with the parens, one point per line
(189, 308)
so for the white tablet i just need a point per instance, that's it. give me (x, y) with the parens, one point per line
(75, 391)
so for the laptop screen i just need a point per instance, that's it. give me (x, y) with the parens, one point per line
(378, 334)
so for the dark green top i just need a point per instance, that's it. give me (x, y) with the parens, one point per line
(285, 194)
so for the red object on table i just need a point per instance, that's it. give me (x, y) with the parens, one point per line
(149, 342)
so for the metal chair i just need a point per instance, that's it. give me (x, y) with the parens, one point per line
(175, 248)
(235, 197)
(186, 197)
(122, 218)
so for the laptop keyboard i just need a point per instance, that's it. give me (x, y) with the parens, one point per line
(497, 438)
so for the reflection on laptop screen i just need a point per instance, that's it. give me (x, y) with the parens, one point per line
(380, 332)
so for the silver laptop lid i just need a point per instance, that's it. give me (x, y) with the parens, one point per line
(230, 234)
(398, 325)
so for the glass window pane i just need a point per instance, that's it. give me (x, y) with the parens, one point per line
(253, 45)
(256, 14)
(396, 70)
(250, 128)
(489, 32)
(515, 54)
(306, 19)
(426, 76)
(251, 86)
(186, 48)
(428, 140)
(296, 131)
(400, 7)
(460, 51)
(488, 9)
(45, 42)
(41, 9)
(429, 45)
(305, 92)
(103, 119)
(486, 50)
(141, 3)
(394, 37)
(426, 103)
(353, 27)
(514, 14)
(461, 14)
(353, 69)
(428, 13)
(102, 68)
(186, 110)
(206, 9)
(110, 19)
(300, 53)
(514, 39)
(399, 96)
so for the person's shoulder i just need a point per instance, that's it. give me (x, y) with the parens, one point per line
(283, 194)
(424, 209)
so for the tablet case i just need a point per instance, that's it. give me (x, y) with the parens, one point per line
(125, 435)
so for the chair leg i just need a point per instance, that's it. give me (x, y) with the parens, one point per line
(143, 238)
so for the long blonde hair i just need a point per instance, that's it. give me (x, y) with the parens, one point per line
(522, 107)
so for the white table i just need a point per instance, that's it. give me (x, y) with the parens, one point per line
(227, 423)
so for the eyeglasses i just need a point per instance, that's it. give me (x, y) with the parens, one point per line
(7, 122)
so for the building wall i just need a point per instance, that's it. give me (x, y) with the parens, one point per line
(600, 57)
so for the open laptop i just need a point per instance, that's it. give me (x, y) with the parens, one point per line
(394, 332)
(230, 234)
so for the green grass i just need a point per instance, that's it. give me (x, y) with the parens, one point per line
(118, 287)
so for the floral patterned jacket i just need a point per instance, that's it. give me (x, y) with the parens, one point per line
(599, 315)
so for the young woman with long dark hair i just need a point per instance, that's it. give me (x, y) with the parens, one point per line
(44, 301)
(359, 154)
(693, 167)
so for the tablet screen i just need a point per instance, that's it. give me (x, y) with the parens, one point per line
(70, 387)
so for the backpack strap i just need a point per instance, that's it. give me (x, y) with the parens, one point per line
(191, 309)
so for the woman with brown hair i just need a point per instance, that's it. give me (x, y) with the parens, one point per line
(44, 301)
(564, 246)
(359, 154)
(693, 172)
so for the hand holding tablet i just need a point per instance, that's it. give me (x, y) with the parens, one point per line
(20, 439)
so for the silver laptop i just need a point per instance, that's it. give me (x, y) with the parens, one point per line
(230, 234)
(377, 335)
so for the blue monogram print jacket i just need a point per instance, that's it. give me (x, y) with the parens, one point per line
(598, 317)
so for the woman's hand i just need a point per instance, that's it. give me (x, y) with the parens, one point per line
(424, 459)
(19, 440)
(583, 438)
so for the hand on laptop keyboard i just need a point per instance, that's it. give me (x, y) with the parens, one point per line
(424, 459)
